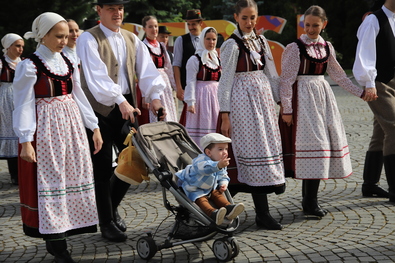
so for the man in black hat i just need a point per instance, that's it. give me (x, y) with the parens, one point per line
(184, 48)
(110, 59)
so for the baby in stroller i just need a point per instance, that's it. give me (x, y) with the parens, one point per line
(166, 148)
(206, 179)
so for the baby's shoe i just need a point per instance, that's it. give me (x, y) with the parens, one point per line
(232, 211)
(219, 215)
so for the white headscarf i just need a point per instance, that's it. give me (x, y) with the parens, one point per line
(8, 40)
(205, 54)
(42, 24)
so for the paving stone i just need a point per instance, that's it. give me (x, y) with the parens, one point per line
(356, 229)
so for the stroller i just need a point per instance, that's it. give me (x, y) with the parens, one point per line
(166, 148)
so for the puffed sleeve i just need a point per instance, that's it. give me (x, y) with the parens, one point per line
(229, 56)
(24, 114)
(290, 63)
(88, 116)
(178, 51)
(192, 69)
(336, 72)
(169, 67)
(271, 71)
(100, 84)
(364, 68)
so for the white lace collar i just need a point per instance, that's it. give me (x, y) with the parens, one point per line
(308, 41)
(52, 60)
(248, 36)
(12, 62)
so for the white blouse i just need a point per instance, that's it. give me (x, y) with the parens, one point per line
(71, 53)
(290, 67)
(229, 57)
(192, 69)
(24, 115)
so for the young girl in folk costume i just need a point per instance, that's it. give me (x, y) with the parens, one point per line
(12, 49)
(203, 73)
(56, 176)
(69, 50)
(162, 62)
(247, 102)
(315, 144)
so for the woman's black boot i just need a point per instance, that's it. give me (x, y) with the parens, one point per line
(263, 217)
(58, 248)
(13, 170)
(310, 202)
(371, 175)
(389, 165)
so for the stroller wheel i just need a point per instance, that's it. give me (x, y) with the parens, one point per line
(235, 246)
(146, 247)
(222, 249)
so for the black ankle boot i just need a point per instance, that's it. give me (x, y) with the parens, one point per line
(265, 220)
(49, 247)
(371, 175)
(13, 170)
(310, 202)
(111, 232)
(118, 191)
(263, 217)
(58, 248)
(389, 165)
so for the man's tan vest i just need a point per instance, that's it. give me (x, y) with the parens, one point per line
(108, 57)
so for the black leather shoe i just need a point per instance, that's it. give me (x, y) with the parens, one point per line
(64, 257)
(111, 232)
(268, 222)
(119, 222)
(313, 209)
(374, 191)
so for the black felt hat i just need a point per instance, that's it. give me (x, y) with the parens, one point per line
(163, 30)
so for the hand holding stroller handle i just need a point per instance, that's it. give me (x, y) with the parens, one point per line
(128, 125)
(160, 113)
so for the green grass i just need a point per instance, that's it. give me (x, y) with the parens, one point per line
(348, 71)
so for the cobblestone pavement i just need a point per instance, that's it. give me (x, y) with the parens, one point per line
(356, 229)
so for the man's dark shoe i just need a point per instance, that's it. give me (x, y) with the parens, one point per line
(119, 222)
(111, 232)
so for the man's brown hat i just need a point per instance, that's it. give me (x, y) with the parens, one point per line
(194, 14)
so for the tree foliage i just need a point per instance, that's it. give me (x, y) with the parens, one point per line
(165, 11)
(344, 16)
(17, 16)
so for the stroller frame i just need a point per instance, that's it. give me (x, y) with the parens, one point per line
(225, 248)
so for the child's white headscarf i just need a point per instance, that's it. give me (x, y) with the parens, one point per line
(8, 40)
(42, 24)
(205, 54)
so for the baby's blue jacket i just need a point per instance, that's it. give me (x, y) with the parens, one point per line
(202, 176)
